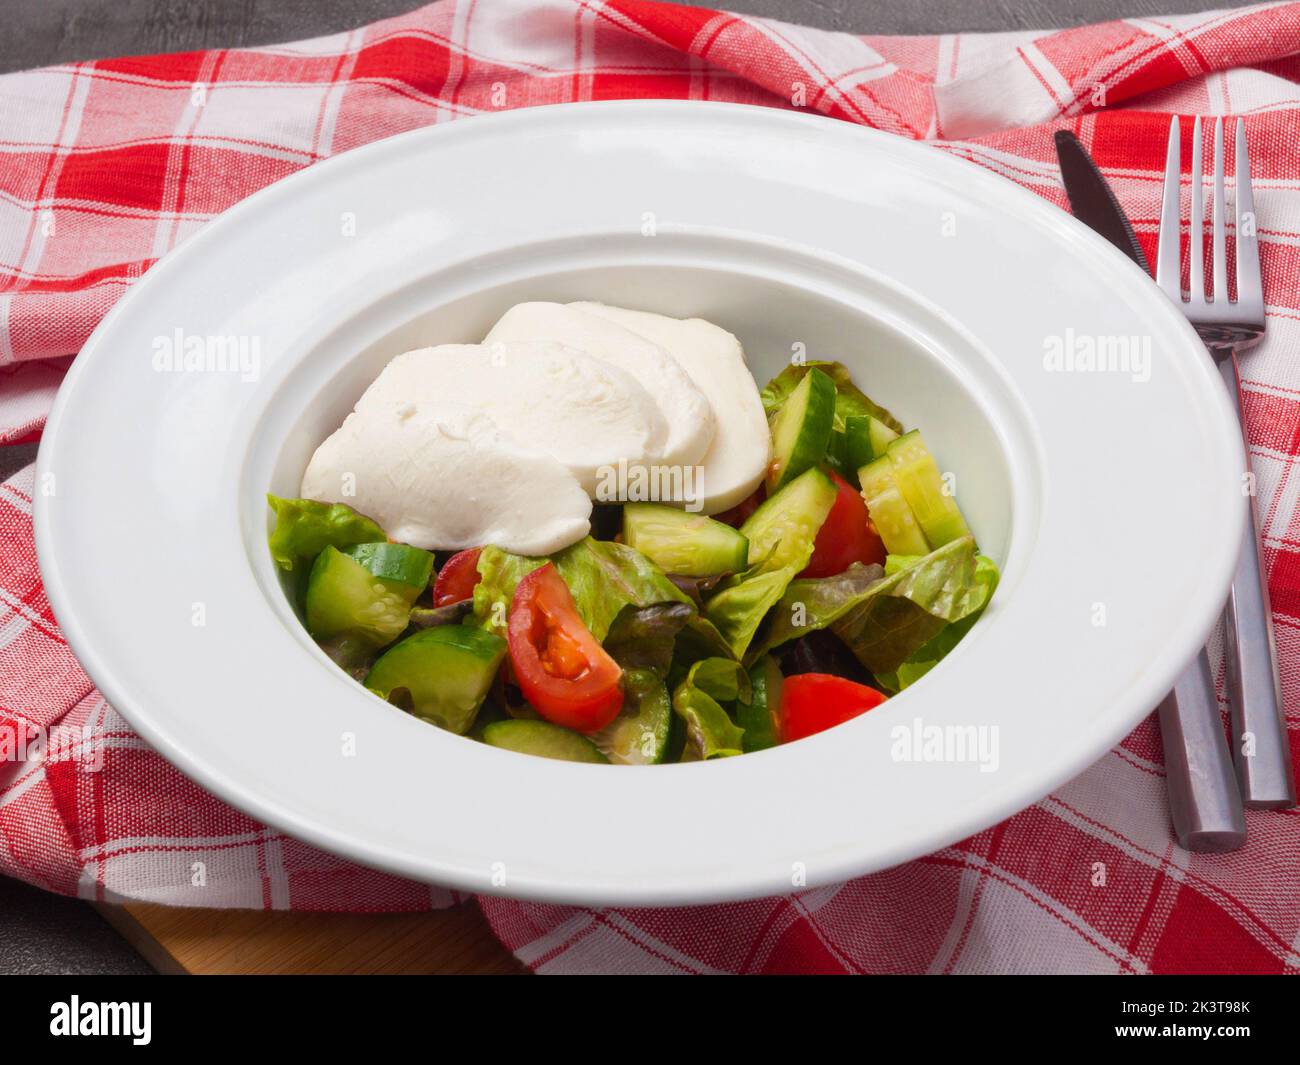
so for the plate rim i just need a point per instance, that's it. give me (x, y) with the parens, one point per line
(245, 799)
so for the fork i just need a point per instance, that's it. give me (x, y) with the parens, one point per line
(1260, 748)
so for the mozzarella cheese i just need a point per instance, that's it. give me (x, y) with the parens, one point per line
(507, 442)
(685, 409)
(583, 411)
(443, 476)
(713, 358)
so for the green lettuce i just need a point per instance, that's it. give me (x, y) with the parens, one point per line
(304, 528)
(931, 653)
(710, 732)
(737, 611)
(498, 573)
(884, 620)
(603, 577)
(849, 399)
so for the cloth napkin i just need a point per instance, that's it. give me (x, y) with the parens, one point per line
(110, 164)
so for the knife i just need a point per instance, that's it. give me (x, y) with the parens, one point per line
(1204, 800)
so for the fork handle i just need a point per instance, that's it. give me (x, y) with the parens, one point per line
(1204, 804)
(1260, 747)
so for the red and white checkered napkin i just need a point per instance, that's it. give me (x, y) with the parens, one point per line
(108, 165)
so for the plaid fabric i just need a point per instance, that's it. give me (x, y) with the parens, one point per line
(108, 165)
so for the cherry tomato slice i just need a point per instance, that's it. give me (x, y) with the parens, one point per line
(563, 672)
(846, 536)
(456, 580)
(814, 702)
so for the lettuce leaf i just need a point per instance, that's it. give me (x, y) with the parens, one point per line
(304, 528)
(737, 611)
(849, 399)
(930, 654)
(710, 732)
(884, 620)
(499, 572)
(644, 638)
(603, 577)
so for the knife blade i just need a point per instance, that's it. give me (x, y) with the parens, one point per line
(1092, 201)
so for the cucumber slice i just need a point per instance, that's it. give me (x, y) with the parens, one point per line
(760, 716)
(403, 570)
(678, 542)
(542, 739)
(785, 524)
(802, 429)
(879, 434)
(344, 598)
(639, 735)
(445, 672)
(866, 438)
(918, 479)
(890, 513)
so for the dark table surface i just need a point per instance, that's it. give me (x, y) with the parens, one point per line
(40, 933)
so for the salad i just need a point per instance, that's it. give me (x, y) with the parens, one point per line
(459, 550)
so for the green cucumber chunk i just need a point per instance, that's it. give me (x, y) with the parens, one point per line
(444, 672)
(801, 429)
(879, 434)
(542, 739)
(344, 598)
(639, 735)
(689, 544)
(918, 479)
(866, 438)
(403, 570)
(760, 715)
(890, 513)
(785, 525)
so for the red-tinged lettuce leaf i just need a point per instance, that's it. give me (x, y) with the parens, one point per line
(427, 617)
(304, 528)
(884, 620)
(645, 637)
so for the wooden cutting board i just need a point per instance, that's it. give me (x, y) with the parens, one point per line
(251, 942)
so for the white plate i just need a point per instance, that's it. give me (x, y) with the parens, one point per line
(1113, 504)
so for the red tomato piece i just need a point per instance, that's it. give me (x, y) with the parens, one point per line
(562, 670)
(739, 514)
(814, 702)
(456, 580)
(846, 536)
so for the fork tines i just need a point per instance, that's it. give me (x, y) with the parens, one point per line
(1213, 307)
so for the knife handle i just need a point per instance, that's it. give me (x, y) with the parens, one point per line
(1204, 803)
(1260, 747)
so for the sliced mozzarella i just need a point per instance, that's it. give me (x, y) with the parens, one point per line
(715, 361)
(442, 476)
(684, 407)
(581, 410)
